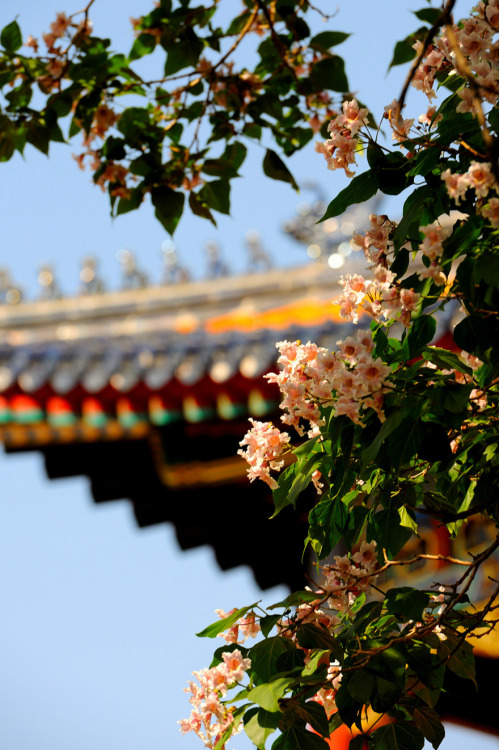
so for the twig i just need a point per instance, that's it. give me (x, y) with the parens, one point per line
(464, 70)
(278, 44)
(442, 20)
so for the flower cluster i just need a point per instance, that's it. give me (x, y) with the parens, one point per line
(400, 127)
(57, 60)
(431, 247)
(349, 576)
(209, 717)
(380, 297)
(246, 626)
(342, 583)
(349, 379)
(339, 150)
(265, 447)
(469, 50)
(478, 177)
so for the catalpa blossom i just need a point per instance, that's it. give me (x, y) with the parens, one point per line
(209, 717)
(246, 626)
(491, 212)
(479, 177)
(375, 243)
(349, 576)
(339, 150)
(400, 127)
(424, 76)
(378, 297)
(265, 447)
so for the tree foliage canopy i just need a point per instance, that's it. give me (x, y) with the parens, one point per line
(395, 433)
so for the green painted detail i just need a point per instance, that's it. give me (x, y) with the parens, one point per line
(28, 416)
(228, 410)
(63, 419)
(194, 413)
(5, 416)
(258, 406)
(165, 416)
(96, 419)
(131, 418)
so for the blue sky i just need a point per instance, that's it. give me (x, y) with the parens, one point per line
(98, 618)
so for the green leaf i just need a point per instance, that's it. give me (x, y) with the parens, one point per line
(389, 425)
(295, 599)
(397, 736)
(11, 37)
(487, 268)
(143, 45)
(424, 162)
(228, 164)
(408, 227)
(315, 715)
(384, 527)
(132, 203)
(428, 15)
(329, 74)
(261, 725)
(473, 334)
(349, 709)
(429, 724)
(168, 205)
(274, 167)
(359, 742)
(224, 737)
(294, 481)
(420, 333)
(268, 622)
(199, 208)
(268, 695)
(38, 136)
(327, 39)
(359, 190)
(362, 685)
(264, 656)
(445, 360)
(227, 622)
(315, 636)
(313, 661)
(404, 51)
(462, 661)
(407, 519)
(217, 195)
(296, 737)
(183, 52)
(406, 603)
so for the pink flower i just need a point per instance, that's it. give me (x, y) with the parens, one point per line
(409, 299)
(480, 178)
(456, 185)
(230, 635)
(249, 626)
(434, 235)
(59, 26)
(491, 212)
(266, 445)
(235, 665)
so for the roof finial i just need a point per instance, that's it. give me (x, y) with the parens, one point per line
(91, 283)
(258, 256)
(216, 266)
(133, 278)
(173, 271)
(49, 288)
(10, 293)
